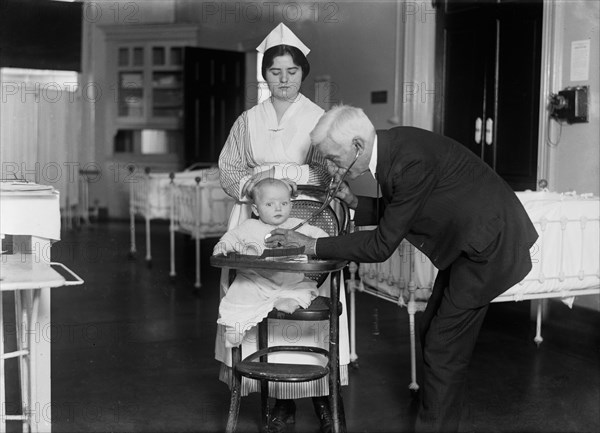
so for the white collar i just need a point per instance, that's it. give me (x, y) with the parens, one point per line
(373, 161)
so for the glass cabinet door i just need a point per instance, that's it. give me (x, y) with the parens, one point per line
(131, 94)
(150, 88)
(149, 120)
(130, 88)
(167, 94)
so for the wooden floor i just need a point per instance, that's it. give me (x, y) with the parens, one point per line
(132, 351)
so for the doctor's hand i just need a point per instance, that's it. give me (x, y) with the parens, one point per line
(344, 192)
(291, 238)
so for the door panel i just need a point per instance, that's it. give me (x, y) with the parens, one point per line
(214, 98)
(490, 67)
(464, 102)
(467, 61)
(517, 116)
(459, 6)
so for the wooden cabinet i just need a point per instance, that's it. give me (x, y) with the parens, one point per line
(145, 66)
(175, 102)
(489, 57)
(150, 84)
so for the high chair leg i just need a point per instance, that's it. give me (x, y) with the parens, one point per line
(335, 389)
(236, 389)
(263, 335)
(264, 403)
(338, 415)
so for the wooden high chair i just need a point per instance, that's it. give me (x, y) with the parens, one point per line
(334, 220)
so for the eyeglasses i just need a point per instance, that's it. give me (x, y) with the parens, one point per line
(331, 191)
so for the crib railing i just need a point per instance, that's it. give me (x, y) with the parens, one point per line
(566, 263)
(201, 211)
(196, 206)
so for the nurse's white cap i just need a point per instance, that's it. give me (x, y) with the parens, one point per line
(282, 35)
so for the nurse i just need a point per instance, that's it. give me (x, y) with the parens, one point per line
(272, 139)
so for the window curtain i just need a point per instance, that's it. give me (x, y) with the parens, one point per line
(40, 131)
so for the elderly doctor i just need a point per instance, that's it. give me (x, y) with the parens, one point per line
(451, 206)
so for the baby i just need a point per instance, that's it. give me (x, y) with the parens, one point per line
(254, 293)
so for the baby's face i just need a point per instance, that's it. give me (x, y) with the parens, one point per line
(272, 204)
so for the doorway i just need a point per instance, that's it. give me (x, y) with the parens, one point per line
(214, 98)
(489, 62)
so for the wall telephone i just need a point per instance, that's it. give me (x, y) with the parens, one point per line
(570, 104)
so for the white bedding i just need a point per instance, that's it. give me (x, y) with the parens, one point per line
(151, 192)
(565, 258)
(213, 209)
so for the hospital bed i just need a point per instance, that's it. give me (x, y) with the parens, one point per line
(565, 264)
(192, 201)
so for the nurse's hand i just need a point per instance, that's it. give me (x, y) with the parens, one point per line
(291, 185)
(291, 238)
(250, 183)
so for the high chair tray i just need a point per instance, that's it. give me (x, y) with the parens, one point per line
(241, 261)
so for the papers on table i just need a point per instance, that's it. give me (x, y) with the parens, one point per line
(300, 258)
(23, 187)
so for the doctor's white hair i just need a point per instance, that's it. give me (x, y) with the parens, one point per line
(341, 124)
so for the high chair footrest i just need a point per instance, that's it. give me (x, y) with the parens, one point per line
(306, 349)
(318, 310)
(275, 372)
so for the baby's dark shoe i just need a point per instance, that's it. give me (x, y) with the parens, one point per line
(283, 413)
(323, 412)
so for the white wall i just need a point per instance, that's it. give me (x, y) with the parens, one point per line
(578, 152)
(353, 42)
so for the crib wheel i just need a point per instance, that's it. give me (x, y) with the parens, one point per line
(354, 364)
(149, 264)
(131, 255)
(414, 393)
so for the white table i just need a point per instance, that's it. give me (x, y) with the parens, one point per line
(32, 218)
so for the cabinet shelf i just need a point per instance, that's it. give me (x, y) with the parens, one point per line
(166, 87)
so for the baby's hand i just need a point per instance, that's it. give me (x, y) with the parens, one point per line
(220, 248)
(286, 305)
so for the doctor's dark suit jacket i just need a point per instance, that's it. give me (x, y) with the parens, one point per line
(449, 204)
